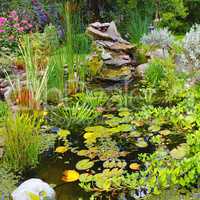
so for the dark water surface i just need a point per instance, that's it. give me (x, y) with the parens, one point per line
(51, 170)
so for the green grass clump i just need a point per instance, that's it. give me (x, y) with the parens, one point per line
(154, 73)
(22, 141)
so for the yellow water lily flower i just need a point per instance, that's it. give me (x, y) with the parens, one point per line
(61, 149)
(134, 166)
(70, 176)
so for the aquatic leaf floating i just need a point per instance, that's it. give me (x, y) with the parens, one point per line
(125, 127)
(124, 114)
(179, 152)
(154, 128)
(61, 149)
(134, 166)
(70, 176)
(165, 132)
(63, 133)
(84, 164)
(135, 134)
(141, 143)
(86, 177)
(114, 164)
(138, 123)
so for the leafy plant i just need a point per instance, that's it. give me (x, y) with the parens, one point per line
(74, 116)
(8, 181)
(93, 98)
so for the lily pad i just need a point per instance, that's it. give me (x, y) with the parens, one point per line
(165, 132)
(135, 134)
(125, 127)
(138, 123)
(141, 143)
(84, 164)
(154, 128)
(179, 152)
(124, 114)
(63, 133)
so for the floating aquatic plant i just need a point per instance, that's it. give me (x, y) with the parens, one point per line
(70, 176)
(84, 164)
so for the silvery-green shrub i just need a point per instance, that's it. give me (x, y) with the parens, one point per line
(191, 46)
(161, 38)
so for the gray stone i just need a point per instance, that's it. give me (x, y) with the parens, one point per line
(140, 69)
(158, 53)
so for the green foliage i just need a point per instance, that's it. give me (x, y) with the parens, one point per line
(54, 96)
(155, 73)
(173, 13)
(8, 181)
(22, 141)
(35, 82)
(93, 98)
(4, 109)
(73, 117)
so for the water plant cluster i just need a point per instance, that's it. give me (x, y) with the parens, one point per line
(122, 117)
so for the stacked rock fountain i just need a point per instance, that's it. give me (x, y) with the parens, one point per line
(117, 54)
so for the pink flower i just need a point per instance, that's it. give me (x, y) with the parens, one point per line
(2, 21)
(20, 29)
(16, 25)
(24, 22)
(2, 31)
(30, 25)
(16, 18)
(13, 14)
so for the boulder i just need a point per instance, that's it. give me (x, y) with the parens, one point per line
(140, 70)
(158, 53)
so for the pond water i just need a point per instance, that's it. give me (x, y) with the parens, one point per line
(51, 170)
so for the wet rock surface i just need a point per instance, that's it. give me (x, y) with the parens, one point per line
(116, 53)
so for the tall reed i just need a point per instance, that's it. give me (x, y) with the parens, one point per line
(36, 80)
